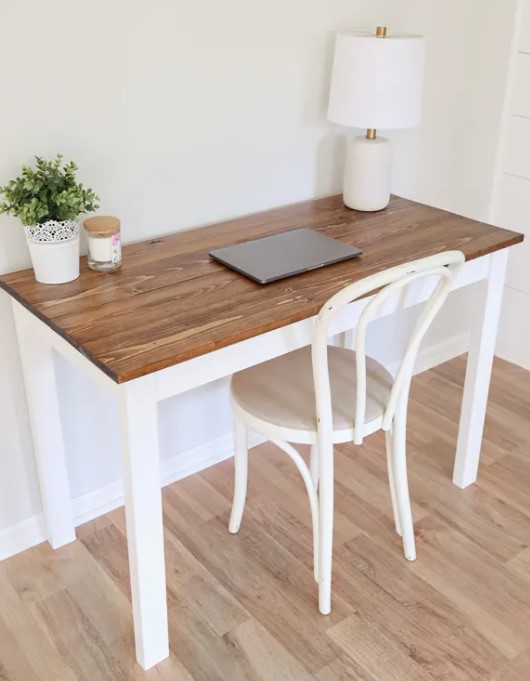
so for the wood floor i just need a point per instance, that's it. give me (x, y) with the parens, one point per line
(245, 607)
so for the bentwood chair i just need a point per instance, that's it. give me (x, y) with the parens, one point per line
(322, 395)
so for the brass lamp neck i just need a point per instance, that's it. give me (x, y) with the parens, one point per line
(380, 32)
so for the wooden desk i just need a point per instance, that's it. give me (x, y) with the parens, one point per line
(171, 320)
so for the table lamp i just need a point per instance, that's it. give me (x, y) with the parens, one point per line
(376, 82)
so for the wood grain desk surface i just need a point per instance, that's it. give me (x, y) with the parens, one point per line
(169, 303)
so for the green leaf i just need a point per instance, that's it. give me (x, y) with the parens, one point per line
(47, 192)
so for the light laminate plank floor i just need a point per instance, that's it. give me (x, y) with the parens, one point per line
(244, 608)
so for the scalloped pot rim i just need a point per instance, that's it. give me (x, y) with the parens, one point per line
(52, 232)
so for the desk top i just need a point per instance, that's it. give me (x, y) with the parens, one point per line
(169, 303)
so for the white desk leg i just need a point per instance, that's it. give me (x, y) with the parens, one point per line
(348, 339)
(143, 505)
(478, 373)
(43, 405)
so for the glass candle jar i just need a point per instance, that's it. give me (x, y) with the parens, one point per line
(103, 242)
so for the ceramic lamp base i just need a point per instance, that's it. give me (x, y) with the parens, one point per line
(368, 174)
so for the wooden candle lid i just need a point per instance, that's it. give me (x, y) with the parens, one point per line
(102, 225)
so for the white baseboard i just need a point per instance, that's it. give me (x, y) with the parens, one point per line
(31, 531)
(22, 536)
(107, 498)
(437, 353)
(515, 354)
(513, 343)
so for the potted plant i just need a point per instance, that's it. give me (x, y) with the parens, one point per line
(47, 199)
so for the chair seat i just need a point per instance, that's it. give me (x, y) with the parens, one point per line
(277, 398)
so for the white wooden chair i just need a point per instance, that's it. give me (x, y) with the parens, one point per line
(321, 395)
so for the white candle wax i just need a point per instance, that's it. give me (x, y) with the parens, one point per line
(100, 249)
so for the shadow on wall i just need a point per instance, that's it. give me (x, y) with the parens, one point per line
(19, 495)
(331, 150)
(14, 254)
(329, 164)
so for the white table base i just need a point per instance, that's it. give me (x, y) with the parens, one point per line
(137, 406)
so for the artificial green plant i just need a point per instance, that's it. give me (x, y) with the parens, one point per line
(49, 191)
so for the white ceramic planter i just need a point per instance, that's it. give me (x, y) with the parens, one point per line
(54, 251)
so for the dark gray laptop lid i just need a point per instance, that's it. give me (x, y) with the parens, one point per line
(284, 255)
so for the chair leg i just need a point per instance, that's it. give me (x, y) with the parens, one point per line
(241, 475)
(313, 465)
(313, 471)
(312, 494)
(390, 470)
(401, 487)
(325, 527)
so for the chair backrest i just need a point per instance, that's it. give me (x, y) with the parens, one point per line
(384, 284)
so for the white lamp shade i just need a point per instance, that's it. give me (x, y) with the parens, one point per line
(377, 82)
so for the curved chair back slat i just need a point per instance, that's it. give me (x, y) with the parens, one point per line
(383, 285)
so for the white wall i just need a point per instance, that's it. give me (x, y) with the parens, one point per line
(181, 113)
(467, 65)
(511, 204)
(450, 160)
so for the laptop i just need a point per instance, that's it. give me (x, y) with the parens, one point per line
(283, 255)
